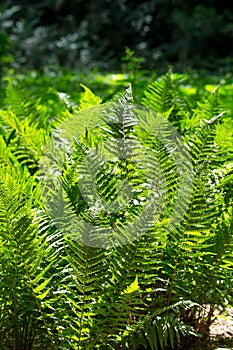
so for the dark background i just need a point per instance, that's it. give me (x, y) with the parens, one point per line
(95, 33)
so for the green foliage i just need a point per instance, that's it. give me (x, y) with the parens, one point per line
(73, 34)
(116, 232)
(6, 22)
(136, 75)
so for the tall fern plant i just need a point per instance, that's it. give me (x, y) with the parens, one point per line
(119, 230)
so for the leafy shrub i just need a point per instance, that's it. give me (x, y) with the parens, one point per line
(132, 252)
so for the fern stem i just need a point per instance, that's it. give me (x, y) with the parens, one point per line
(15, 316)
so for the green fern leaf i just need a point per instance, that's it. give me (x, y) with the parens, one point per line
(88, 99)
(133, 287)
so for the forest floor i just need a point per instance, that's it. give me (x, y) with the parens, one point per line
(221, 334)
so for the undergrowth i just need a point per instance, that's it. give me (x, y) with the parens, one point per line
(116, 217)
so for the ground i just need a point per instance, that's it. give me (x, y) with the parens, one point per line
(221, 334)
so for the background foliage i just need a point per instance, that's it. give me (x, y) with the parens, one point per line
(95, 33)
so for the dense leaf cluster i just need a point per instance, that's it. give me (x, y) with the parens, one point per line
(116, 230)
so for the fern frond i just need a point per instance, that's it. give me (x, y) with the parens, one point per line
(202, 147)
(167, 330)
(18, 99)
(165, 96)
(210, 107)
(118, 129)
(88, 99)
(90, 270)
(159, 96)
(6, 156)
(24, 141)
(26, 250)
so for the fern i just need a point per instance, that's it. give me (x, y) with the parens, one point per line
(166, 97)
(88, 99)
(18, 100)
(22, 244)
(24, 148)
(93, 230)
(123, 231)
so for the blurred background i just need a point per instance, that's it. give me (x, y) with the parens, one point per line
(184, 34)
